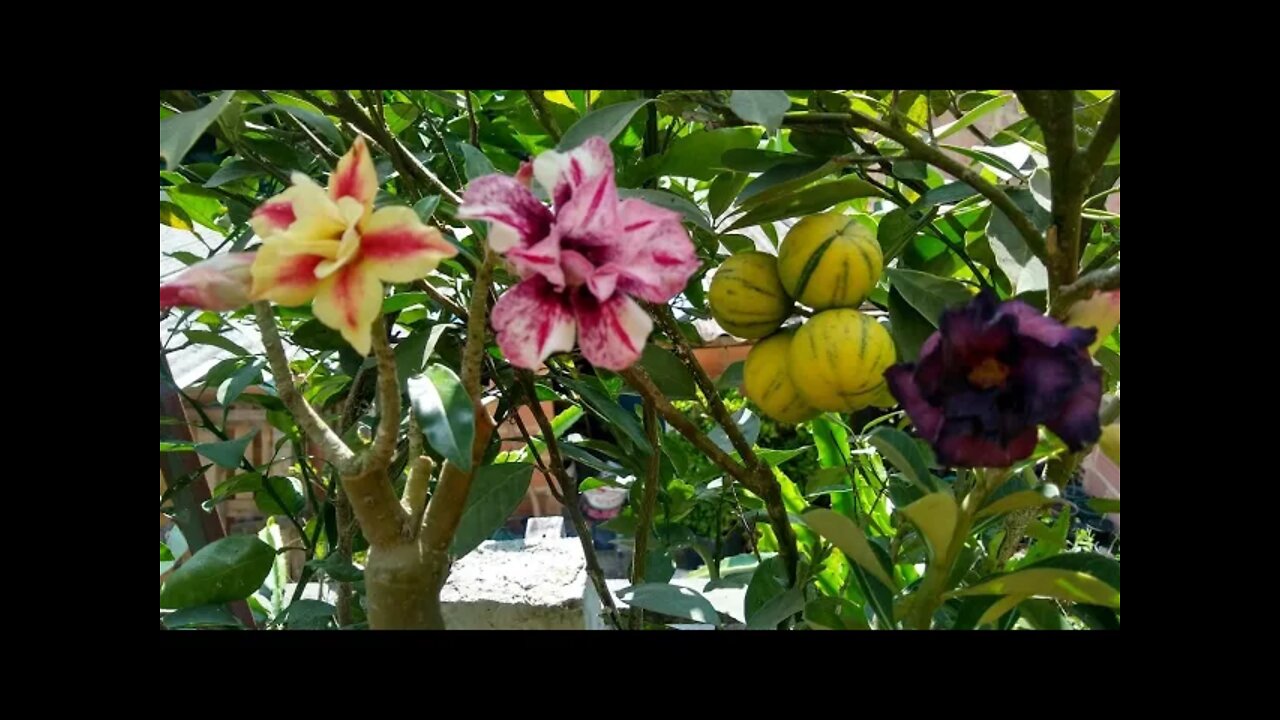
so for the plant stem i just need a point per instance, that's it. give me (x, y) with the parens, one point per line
(652, 426)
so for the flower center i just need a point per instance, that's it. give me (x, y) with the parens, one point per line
(989, 373)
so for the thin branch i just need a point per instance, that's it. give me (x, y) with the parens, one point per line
(569, 490)
(384, 441)
(471, 121)
(441, 300)
(308, 419)
(1087, 285)
(542, 114)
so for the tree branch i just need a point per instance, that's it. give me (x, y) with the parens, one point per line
(471, 121)
(308, 419)
(1087, 285)
(384, 440)
(543, 116)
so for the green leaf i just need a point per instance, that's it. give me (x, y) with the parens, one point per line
(176, 446)
(768, 582)
(830, 613)
(426, 207)
(477, 165)
(808, 201)
(935, 515)
(1026, 272)
(287, 489)
(748, 424)
(908, 327)
(802, 167)
(413, 352)
(946, 194)
(315, 120)
(228, 453)
(400, 301)
(232, 387)
(445, 412)
(832, 441)
(670, 201)
(778, 457)
(232, 171)
(496, 491)
(753, 160)
(671, 600)
(851, 539)
(202, 616)
(777, 610)
(738, 243)
(732, 376)
(174, 216)
(338, 568)
(722, 191)
(620, 419)
(697, 155)
(179, 132)
(668, 373)
(1021, 500)
(199, 204)
(898, 227)
(986, 157)
(309, 615)
(242, 483)
(1070, 585)
(971, 117)
(902, 452)
(607, 122)
(229, 569)
(928, 294)
(315, 335)
(910, 169)
(763, 107)
(400, 116)
(206, 337)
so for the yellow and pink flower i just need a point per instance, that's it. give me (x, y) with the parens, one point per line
(219, 283)
(582, 263)
(331, 248)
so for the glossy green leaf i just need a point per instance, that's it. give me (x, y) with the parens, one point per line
(1057, 583)
(753, 160)
(475, 163)
(808, 201)
(898, 227)
(202, 617)
(763, 107)
(831, 613)
(232, 171)
(426, 207)
(622, 420)
(767, 582)
(723, 189)
(668, 373)
(1020, 500)
(928, 294)
(179, 132)
(206, 337)
(228, 453)
(309, 615)
(776, 176)
(287, 490)
(240, 380)
(698, 154)
(496, 491)
(445, 412)
(671, 600)
(935, 515)
(902, 452)
(607, 122)
(228, 569)
(850, 539)
(971, 117)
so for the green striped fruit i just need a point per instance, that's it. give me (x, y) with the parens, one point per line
(838, 359)
(829, 261)
(767, 382)
(746, 295)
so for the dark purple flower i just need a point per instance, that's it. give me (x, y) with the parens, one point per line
(991, 374)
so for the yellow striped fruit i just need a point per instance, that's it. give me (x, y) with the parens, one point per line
(838, 360)
(768, 383)
(746, 295)
(829, 261)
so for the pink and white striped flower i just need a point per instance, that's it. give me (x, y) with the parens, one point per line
(334, 248)
(581, 263)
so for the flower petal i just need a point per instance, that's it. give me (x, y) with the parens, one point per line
(1033, 323)
(516, 216)
(397, 247)
(611, 333)
(541, 258)
(303, 210)
(974, 332)
(1046, 378)
(958, 447)
(220, 283)
(902, 384)
(589, 214)
(348, 301)
(1078, 423)
(533, 321)
(285, 271)
(355, 176)
(563, 173)
(273, 216)
(653, 256)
